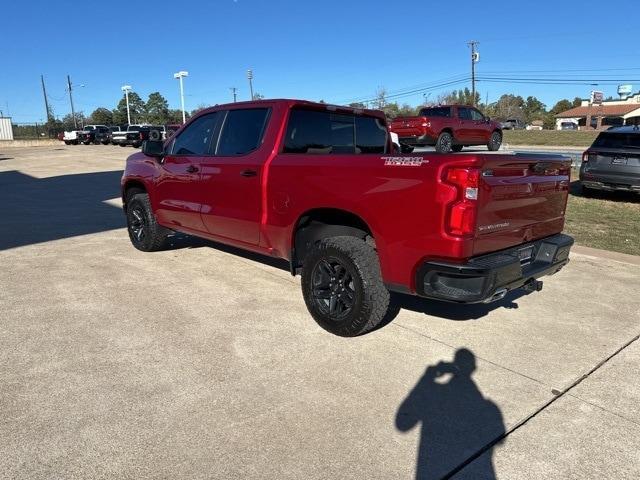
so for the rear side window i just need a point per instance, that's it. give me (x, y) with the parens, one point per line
(371, 135)
(617, 140)
(464, 113)
(195, 139)
(436, 112)
(242, 131)
(318, 132)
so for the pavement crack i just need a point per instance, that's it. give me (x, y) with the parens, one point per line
(454, 347)
(539, 410)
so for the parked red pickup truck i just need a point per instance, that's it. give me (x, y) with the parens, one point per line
(320, 186)
(448, 128)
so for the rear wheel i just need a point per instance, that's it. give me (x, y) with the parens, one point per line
(342, 286)
(444, 143)
(144, 231)
(456, 148)
(67, 142)
(495, 141)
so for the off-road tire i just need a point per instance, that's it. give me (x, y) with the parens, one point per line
(444, 143)
(370, 298)
(140, 214)
(495, 141)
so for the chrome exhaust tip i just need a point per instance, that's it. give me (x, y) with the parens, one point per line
(498, 295)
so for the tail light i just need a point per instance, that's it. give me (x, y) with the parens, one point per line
(585, 157)
(461, 214)
(141, 136)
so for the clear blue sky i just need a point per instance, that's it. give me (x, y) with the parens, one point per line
(332, 50)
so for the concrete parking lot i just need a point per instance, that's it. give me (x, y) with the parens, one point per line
(202, 362)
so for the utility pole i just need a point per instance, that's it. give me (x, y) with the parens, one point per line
(126, 89)
(475, 56)
(233, 90)
(250, 78)
(73, 113)
(46, 101)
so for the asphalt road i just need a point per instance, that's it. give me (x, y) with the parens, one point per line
(202, 361)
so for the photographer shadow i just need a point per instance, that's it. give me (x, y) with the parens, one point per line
(457, 421)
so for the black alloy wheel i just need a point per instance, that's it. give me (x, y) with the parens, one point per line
(333, 288)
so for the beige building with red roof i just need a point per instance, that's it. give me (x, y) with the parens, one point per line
(594, 116)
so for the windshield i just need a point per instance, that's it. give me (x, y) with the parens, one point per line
(617, 140)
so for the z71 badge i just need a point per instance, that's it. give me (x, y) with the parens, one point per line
(404, 161)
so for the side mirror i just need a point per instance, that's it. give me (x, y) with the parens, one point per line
(153, 148)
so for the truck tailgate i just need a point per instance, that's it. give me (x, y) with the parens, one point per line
(408, 126)
(521, 198)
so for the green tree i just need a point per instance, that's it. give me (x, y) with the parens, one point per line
(534, 109)
(462, 97)
(577, 101)
(174, 116)
(136, 108)
(357, 105)
(258, 96)
(156, 109)
(101, 116)
(67, 121)
(561, 106)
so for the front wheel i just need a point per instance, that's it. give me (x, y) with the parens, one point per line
(67, 142)
(444, 143)
(495, 141)
(342, 286)
(144, 231)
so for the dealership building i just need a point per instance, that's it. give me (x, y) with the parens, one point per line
(598, 114)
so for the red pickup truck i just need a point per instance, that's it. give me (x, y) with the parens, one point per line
(448, 128)
(320, 186)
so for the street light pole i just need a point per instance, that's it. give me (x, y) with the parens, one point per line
(180, 75)
(250, 78)
(126, 89)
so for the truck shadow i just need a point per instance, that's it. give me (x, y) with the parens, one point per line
(36, 210)
(456, 311)
(399, 301)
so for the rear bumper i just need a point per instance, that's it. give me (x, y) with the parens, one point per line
(625, 185)
(416, 140)
(490, 276)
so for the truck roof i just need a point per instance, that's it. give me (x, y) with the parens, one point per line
(291, 102)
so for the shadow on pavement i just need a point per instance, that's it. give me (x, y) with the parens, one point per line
(457, 421)
(36, 210)
(180, 240)
(456, 311)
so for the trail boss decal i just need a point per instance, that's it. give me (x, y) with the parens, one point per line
(404, 161)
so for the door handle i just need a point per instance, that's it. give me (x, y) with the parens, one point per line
(192, 169)
(248, 173)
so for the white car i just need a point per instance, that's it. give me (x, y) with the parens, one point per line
(71, 137)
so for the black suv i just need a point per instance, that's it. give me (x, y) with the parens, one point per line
(613, 161)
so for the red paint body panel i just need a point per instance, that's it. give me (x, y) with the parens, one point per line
(520, 198)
